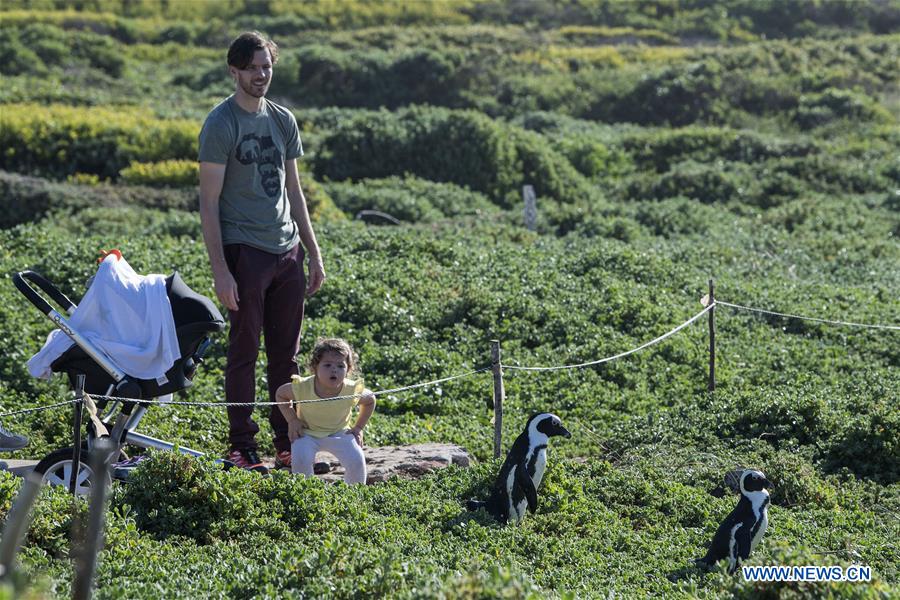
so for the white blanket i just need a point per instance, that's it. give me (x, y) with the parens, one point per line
(126, 316)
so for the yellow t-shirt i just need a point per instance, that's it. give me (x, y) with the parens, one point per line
(321, 419)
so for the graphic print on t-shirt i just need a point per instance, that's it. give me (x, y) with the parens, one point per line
(261, 151)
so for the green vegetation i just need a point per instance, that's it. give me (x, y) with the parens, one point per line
(752, 141)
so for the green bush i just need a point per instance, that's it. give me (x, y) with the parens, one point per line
(18, 15)
(48, 46)
(375, 78)
(660, 149)
(459, 147)
(464, 148)
(734, 86)
(319, 203)
(594, 159)
(826, 172)
(678, 216)
(719, 183)
(547, 170)
(169, 173)
(409, 199)
(210, 74)
(869, 447)
(178, 495)
(29, 199)
(815, 110)
(59, 141)
(676, 97)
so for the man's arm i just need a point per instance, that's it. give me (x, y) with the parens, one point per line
(300, 214)
(212, 177)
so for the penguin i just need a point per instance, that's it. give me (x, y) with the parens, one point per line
(515, 488)
(744, 527)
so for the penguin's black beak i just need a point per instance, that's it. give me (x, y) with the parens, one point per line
(768, 485)
(563, 432)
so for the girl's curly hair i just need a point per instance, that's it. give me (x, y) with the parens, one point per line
(337, 345)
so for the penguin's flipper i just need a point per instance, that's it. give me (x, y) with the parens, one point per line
(527, 486)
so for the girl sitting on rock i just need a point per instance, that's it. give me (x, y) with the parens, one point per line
(325, 424)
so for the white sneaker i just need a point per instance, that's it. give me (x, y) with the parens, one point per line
(11, 441)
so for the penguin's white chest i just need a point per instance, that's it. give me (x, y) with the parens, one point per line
(761, 531)
(540, 466)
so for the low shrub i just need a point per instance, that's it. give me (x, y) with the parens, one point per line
(716, 183)
(678, 216)
(409, 199)
(168, 173)
(464, 148)
(375, 78)
(593, 159)
(677, 96)
(595, 35)
(661, 149)
(460, 147)
(178, 495)
(815, 110)
(319, 203)
(29, 199)
(828, 172)
(36, 48)
(58, 140)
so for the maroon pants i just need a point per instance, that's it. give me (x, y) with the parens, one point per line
(271, 290)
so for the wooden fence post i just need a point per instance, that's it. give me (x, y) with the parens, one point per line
(498, 397)
(711, 385)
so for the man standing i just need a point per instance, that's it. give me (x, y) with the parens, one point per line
(254, 218)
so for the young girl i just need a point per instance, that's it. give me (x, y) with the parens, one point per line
(314, 426)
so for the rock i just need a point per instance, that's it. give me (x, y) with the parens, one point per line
(411, 461)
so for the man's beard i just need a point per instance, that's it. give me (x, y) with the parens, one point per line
(257, 91)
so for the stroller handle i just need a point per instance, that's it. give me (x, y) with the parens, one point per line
(21, 279)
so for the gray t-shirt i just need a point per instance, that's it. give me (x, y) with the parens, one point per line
(253, 208)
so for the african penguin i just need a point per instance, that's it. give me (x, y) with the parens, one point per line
(744, 527)
(515, 488)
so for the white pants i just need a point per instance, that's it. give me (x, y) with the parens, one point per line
(344, 447)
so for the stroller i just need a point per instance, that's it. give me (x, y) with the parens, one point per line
(195, 318)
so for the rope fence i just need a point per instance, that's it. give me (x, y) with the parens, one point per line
(39, 408)
(802, 318)
(621, 354)
(314, 401)
(496, 367)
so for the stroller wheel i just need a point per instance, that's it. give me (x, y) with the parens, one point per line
(57, 469)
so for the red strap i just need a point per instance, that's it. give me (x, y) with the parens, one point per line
(105, 253)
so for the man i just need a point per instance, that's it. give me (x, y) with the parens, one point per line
(254, 219)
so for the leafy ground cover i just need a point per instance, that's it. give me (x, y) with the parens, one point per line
(669, 144)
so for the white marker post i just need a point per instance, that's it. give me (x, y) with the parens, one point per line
(530, 207)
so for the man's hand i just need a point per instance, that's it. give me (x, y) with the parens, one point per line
(226, 290)
(295, 429)
(316, 275)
